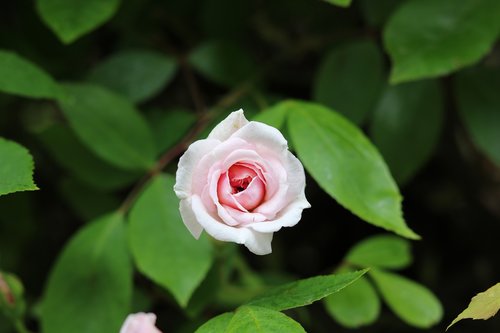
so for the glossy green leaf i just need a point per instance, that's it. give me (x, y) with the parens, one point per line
(412, 302)
(406, 126)
(478, 101)
(223, 62)
(20, 77)
(350, 79)
(109, 125)
(341, 3)
(274, 116)
(70, 19)
(16, 168)
(162, 247)
(217, 324)
(137, 75)
(90, 287)
(170, 126)
(252, 319)
(305, 292)
(384, 251)
(428, 38)
(79, 161)
(346, 165)
(354, 306)
(482, 306)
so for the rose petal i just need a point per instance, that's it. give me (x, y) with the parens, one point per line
(186, 169)
(214, 159)
(228, 126)
(140, 323)
(289, 217)
(258, 243)
(260, 134)
(189, 218)
(243, 217)
(253, 195)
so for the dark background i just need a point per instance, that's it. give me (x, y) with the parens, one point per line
(453, 202)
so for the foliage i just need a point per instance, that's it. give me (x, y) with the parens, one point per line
(482, 306)
(378, 99)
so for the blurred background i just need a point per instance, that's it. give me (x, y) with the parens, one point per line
(251, 54)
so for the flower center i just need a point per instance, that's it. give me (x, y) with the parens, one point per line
(241, 187)
(240, 184)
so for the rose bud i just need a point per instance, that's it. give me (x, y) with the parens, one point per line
(140, 323)
(241, 184)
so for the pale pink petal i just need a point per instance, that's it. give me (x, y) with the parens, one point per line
(296, 177)
(224, 190)
(222, 213)
(189, 218)
(140, 323)
(252, 196)
(256, 242)
(245, 217)
(187, 167)
(214, 159)
(289, 217)
(263, 135)
(245, 155)
(228, 126)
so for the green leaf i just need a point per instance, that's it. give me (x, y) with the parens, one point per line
(479, 105)
(138, 74)
(169, 127)
(162, 247)
(341, 3)
(72, 155)
(223, 62)
(428, 38)
(109, 125)
(412, 302)
(355, 306)
(274, 116)
(217, 324)
(71, 19)
(384, 251)
(90, 287)
(406, 126)
(305, 292)
(16, 168)
(20, 77)
(350, 79)
(252, 319)
(482, 306)
(346, 165)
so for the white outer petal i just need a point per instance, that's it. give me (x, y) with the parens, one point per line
(263, 135)
(257, 242)
(228, 126)
(187, 166)
(189, 218)
(289, 217)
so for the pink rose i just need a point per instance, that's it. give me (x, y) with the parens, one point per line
(140, 323)
(241, 184)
